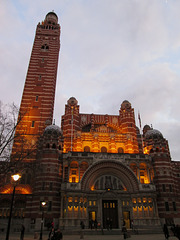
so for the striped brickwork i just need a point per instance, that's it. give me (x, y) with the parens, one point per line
(48, 178)
(37, 102)
(97, 132)
(166, 177)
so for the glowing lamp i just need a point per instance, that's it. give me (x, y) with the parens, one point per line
(43, 203)
(16, 177)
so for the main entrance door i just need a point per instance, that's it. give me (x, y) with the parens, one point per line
(110, 213)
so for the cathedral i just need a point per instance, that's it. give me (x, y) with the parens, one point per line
(93, 167)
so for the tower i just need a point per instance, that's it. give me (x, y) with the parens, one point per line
(128, 127)
(37, 104)
(48, 178)
(166, 172)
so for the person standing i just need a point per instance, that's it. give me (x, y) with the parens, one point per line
(107, 224)
(22, 232)
(110, 224)
(82, 230)
(95, 224)
(166, 231)
(124, 230)
(58, 235)
(177, 231)
(51, 234)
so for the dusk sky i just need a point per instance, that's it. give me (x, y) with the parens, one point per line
(111, 51)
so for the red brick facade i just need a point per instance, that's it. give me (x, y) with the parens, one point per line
(97, 166)
(37, 102)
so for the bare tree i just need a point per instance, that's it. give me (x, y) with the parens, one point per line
(8, 123)
(10, 119)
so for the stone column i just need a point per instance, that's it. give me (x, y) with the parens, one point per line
(67, 212)
(79, 213)
(148, 175)
(137, 211)
(142, 210)
(73, 208)
(148, 212)
(155, 211)
(79, 173)
(138, 173)
(120, 215)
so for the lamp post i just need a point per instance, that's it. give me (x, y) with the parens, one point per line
(41, 232)
(15, 178)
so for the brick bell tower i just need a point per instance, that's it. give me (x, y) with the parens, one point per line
(37, 102)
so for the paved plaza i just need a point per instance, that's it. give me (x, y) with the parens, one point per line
(91, 237)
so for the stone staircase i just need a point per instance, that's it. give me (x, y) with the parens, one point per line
(136, 231)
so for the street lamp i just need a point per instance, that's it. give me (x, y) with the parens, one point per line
(42, 206)
(15, 178)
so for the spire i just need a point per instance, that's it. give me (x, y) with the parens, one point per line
(139, 118)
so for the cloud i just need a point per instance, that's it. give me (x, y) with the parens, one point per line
(110, 51)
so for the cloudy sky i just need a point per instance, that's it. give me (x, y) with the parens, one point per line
(111, 50)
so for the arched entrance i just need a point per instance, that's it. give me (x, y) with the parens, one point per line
(110, 182)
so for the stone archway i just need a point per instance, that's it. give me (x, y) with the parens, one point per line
(114, 168)
(109, 196)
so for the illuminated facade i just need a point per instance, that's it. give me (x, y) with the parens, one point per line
(93, 167)
(112, 171)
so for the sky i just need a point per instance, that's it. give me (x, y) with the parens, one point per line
(111, 51)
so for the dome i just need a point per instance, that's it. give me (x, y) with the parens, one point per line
(72, 101)
(125, 105)
(153, 133)
(53, 129)
(146, 128)
(52, 17)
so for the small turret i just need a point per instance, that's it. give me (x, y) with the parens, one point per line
(154, 142)
(70, 124)
(128, 126)
(51, 18)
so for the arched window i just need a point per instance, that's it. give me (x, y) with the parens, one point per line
(74, 165)
(104, 150)
(54, 146)
(86, 149)
(47, 145)
(45, 47)
(120, 150)
(74, 174)
(157, 149)
(144, 176)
